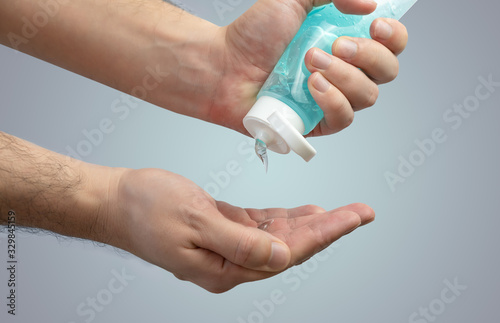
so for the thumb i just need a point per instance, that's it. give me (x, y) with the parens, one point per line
(246, 246)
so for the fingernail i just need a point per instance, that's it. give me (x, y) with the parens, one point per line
(383, 30)
(279, 256)
(346, 48)
(320, 60)
(320, 83)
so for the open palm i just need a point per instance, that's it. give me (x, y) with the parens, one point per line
(171, 222)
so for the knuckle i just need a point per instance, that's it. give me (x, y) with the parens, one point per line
(372, 96)
(216, 289)
(244, 249)
(194, 220)
(181, 277)
(340, 113)
(214, 282)
(219, 284)
(348, 120)
(394, 71)
(201, 200)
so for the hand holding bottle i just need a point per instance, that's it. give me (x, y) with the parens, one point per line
(340, 83)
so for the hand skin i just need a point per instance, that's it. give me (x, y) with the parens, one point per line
(163, 218)
(207, 72)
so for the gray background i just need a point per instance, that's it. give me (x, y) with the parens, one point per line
(440, 224)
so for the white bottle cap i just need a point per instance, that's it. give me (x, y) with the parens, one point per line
(279, 127)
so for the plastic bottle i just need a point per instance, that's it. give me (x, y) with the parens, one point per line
(285, 109)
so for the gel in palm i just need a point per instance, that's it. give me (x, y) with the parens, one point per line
(285, 109)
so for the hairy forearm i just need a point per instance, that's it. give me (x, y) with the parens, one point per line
(50, 191)
(149, 49)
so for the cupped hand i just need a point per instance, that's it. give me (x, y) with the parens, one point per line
(341, 83)
(171, 222)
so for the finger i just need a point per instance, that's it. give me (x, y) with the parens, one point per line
(245, 246)
(359, 7)
(376, 60)
(338, 113)
(239, 215)
(366, 213)
(313, 233)
(215, 273)
(360, 90)
(305, 209)
(390, 33)
(260, 215)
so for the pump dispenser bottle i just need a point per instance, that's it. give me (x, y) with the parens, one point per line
(285, 110)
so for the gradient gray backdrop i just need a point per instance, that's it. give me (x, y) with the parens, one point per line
(440, 224)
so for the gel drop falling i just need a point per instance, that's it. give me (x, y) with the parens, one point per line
(261, 151)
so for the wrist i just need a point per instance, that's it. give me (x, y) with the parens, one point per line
(96, 202)
(189, 52)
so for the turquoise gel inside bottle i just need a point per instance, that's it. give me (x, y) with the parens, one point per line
(323, 25)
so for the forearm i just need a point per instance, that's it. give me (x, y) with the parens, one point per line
(53, 192)
(149, 49)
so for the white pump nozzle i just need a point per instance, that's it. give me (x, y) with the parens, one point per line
(279, 127)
